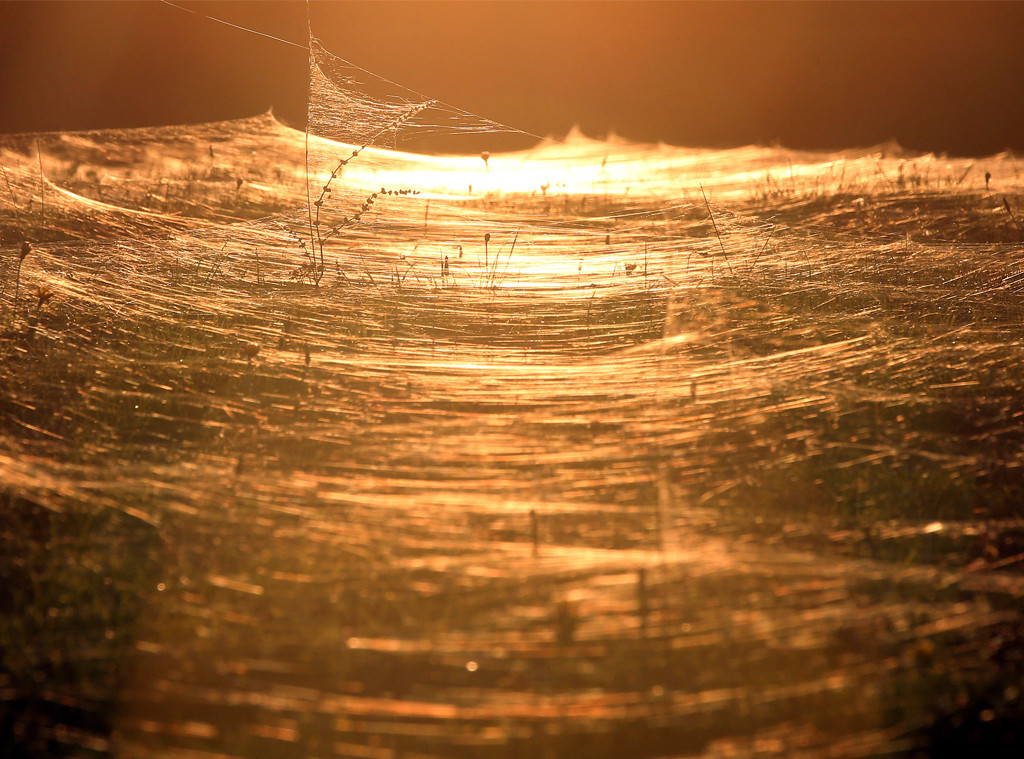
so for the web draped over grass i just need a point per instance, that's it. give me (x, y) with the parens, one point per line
(591, 448)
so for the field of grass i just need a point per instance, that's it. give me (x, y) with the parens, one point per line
(594, 449)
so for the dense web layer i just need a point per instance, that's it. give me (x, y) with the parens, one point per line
(592, 448)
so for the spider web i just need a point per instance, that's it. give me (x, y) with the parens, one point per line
(339, 447)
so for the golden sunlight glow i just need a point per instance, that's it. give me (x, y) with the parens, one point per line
(311, 447)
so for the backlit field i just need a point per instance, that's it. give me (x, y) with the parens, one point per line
(315, 447)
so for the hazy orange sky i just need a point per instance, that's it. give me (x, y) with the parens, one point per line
(941, 76)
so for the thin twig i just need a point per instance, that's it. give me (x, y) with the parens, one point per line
(42, 189)
(766, 241)
(509, 259)
(14, 200)
(717, 233)
(1006, 205)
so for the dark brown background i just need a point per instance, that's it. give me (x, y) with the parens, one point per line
(945, 77)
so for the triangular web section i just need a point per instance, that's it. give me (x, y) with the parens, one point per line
(351, 105)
